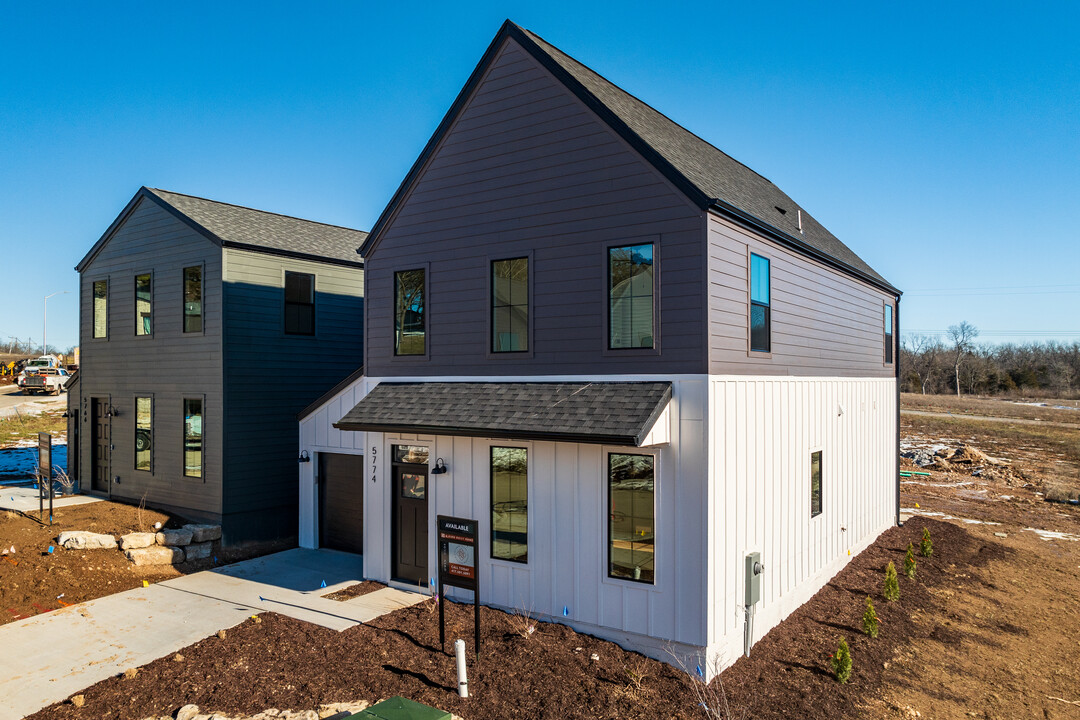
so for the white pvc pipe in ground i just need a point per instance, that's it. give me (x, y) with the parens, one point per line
(462, 679)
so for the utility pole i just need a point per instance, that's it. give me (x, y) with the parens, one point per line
(45, 322)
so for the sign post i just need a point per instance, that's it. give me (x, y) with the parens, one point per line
(45, 474)
(457, 568)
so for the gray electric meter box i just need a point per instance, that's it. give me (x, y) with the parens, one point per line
(754, 569)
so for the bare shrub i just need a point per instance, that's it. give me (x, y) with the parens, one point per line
(523, 623)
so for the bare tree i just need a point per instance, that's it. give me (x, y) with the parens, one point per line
(962, 337)
(925, 354)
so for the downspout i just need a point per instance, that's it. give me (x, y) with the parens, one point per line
(896, 369)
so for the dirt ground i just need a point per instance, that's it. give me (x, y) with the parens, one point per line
(988, 628)
(33, 580)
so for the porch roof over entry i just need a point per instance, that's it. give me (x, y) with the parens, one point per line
(610, 413)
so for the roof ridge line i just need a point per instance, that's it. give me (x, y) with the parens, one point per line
(245, 207)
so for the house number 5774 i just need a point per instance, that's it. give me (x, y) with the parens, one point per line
(374, 452)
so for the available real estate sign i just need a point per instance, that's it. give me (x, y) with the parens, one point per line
(457, 567)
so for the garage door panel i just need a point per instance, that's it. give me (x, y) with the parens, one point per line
(341, 502)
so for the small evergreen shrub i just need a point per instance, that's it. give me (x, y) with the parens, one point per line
(841, 662)
(892, 585)
(909, 562)
(869, 619)
(926, 546)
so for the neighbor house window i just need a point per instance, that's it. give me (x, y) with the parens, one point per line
(510, 504)
(143, 305)
(815, 483)
(299, 303)
(631, 288)
(144, 432)
(193, 437)
(409, 321)
(510, 305)
(631, 517)
(760, 321)
(888, 334)
(193, 309)
(101, 308)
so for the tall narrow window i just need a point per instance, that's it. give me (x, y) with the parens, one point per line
(510, 504)
(630, 297)
(510, 305)
(299, 303)
(409, 320)
(631, 523)
(193, 310)
(193, 437)
(815, 483)
(760, 321)
(143, 305)
(888, 334)
(144, 432)
(101, 308)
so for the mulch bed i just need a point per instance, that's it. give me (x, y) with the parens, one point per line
(355, 591)
(278, 662)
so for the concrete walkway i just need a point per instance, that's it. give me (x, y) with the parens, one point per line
(25, 499)
(50, 657)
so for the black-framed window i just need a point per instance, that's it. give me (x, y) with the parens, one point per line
(144, 433)
(101, 308)
(193, 437)
(410, 326)
(299, 303)
(760, 310)
(631, 517)
(510, 503)
(144, 305)
(193, 296)
(510, 305)
(631, 293)
(815, 483)
(888, 334)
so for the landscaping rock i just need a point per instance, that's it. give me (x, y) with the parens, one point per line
(155, 555)
(135, 540)
(187, 712)
(174, 538)
(83, 540)
(204, 533)
(198, 551)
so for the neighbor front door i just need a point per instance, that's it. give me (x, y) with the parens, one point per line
(99, 445)
(410, 531)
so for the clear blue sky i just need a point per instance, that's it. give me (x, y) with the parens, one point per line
(941, 141)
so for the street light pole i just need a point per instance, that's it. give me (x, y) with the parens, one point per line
(45, 322)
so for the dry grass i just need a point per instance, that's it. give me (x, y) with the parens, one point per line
(26, 427)
(992, 407)
(1061, 441)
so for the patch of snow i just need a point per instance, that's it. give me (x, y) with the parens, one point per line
(943, 516)
(940, 485)
(1045, 405)
(1054, 535)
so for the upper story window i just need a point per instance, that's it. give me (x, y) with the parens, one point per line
(631, 290)
(144, 432)
(632, 517)
(299, 303)
(510, 503)
(815, 483)
(760, 320)
(888, 335)
(144, 304)
(101, 308)
(193, 437)
(193, 292)
(409, 312)
(510, 305)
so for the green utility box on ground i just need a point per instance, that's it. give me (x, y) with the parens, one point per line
(399, 708)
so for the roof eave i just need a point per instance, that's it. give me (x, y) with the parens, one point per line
(281, 252)
(417, 429)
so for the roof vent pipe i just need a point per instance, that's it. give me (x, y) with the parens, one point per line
(800, 222)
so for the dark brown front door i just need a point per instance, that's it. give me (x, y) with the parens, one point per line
(410, 531)
(341, 502)
(99, 445)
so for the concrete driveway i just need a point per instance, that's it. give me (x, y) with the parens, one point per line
(50, 657)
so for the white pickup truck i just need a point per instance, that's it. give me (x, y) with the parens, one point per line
(46, 380)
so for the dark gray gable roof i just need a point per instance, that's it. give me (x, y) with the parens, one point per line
(326, 396)
(708, 176)
(613, 413)
(249, 229)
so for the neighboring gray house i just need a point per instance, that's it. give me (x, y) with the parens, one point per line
(638, 361)
(204, 328)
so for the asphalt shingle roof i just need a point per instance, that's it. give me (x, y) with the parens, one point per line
(616, 413)
(238, 225)
(715, 174)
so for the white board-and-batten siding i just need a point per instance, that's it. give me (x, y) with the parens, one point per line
(733, 477)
